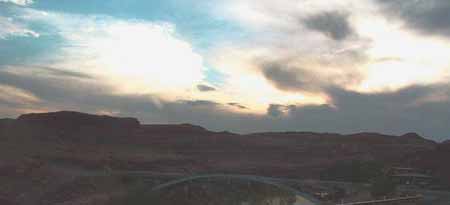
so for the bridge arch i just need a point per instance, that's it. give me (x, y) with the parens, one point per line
(300, 197)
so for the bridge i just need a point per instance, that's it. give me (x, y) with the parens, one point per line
(276, 182)
(177, 178)
(263, 180)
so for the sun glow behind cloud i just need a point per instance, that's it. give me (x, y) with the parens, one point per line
(132, 56)
(147, 55)
(400, 58)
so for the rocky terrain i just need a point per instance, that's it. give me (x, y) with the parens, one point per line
(68, 157)
(436, 161)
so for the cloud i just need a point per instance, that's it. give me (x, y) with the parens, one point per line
(19, 2)
(291, 79)
(13, 96)
(199, 103)
(237, 105)
(279, 75)
(297, 79)
(150, 56)
(276, 110)
(82, 94)
(90, 95)
(45, 71)
(429, 17)
(421, 109)
(66, 73)
(10, 28)
(284, 59)
(205, 88)
(358, 48)
(392, 113)
(48, 86)
(333, 24)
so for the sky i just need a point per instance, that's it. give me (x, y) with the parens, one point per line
(342, 66)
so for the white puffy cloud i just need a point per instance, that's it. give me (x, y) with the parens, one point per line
(132, 56)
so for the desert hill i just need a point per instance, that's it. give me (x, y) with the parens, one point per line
(197, 149)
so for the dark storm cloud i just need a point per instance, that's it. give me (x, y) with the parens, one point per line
(421, 109)
(425, 16)
(415, 108)
(205, 88)
(237, 105)
(288, 78)
(293, 78)
(333, 24)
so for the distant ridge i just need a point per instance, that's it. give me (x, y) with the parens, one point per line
(88, 140)
(71, 121)
(75, 126)
(175, 130)
(62, 117)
